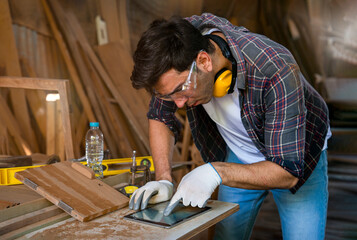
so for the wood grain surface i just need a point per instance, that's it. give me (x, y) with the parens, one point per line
(81, 197)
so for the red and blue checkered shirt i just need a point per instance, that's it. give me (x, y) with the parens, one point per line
(284, 116)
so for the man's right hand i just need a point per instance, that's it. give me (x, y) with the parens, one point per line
(152, 192)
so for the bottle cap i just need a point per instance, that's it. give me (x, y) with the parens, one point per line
(94, 124)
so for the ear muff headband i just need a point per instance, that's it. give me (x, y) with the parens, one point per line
(224, 80)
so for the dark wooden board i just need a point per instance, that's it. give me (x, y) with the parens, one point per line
(67, 186)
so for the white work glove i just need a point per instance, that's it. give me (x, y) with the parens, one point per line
(152, 192)
(195, 188)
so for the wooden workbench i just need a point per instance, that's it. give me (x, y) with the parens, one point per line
(40, 219)
(113, 226)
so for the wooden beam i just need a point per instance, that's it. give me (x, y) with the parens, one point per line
(26, 219)
(117, 124)
(118, 64)
(35, 98)
(70, 24)
(50, 127)
(9, 60)
(87, 82)
(4, 142)
(114, 13)
(60, 85)
(108, 9)
(124, 25)
(137, 127)
(69, 62)
(8, 119)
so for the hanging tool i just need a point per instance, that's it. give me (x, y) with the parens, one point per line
(142, 169)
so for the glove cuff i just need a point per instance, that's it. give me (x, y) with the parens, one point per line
(218, 177)
(166, 182)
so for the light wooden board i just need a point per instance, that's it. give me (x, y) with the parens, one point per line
(65, 186)
(113, 226)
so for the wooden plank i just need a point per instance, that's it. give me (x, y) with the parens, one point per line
(72, 42)
(114, 13)
(9, 60)
(4, 141)
(188, 8)
(26, 219)
(29, 14)
(17, 161)
(69, 62)
(27, 52)
(33, 202)
(50, 127)
(67, 188)
(119, 64)
(124, 25)
(87, 82)
(60, 139)
(117, 124)
(63, 90)
(29, 201)
(79, 134)
(8, 119)
(78, 32)
(36, 99)
(110, 16)
(35, 226)
(113, 53)
(32, 83)
(7, 204)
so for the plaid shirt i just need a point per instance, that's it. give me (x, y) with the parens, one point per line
(284, 116)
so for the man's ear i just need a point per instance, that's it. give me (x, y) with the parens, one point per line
(204, 61)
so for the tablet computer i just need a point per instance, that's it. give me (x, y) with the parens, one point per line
(155, 215)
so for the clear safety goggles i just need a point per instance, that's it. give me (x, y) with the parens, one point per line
(187, 88)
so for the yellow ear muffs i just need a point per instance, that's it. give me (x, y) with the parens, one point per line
(223, 80)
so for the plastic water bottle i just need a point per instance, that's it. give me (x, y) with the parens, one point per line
(94, 149)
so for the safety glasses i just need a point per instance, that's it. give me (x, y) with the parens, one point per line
(186, 89)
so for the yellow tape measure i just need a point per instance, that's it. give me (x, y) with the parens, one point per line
(128, 190)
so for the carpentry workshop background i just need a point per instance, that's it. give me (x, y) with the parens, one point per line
(65, 63)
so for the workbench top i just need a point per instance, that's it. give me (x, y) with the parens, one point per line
(113, 226)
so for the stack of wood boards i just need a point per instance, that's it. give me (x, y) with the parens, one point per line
(55, 45)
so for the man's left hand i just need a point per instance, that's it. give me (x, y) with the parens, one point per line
(195, 188)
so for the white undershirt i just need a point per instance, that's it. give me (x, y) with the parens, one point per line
(225, 112)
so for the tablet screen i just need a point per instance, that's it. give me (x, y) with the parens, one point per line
(154, 215)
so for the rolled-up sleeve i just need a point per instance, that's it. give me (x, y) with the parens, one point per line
(164, 111)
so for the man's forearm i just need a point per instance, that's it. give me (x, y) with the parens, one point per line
(261, 175)
(161, 143)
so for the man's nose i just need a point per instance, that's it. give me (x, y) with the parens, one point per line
(180, 102)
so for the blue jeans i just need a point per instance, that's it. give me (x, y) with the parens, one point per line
(302, 215)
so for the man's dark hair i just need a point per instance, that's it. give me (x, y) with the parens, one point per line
(165, 45)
